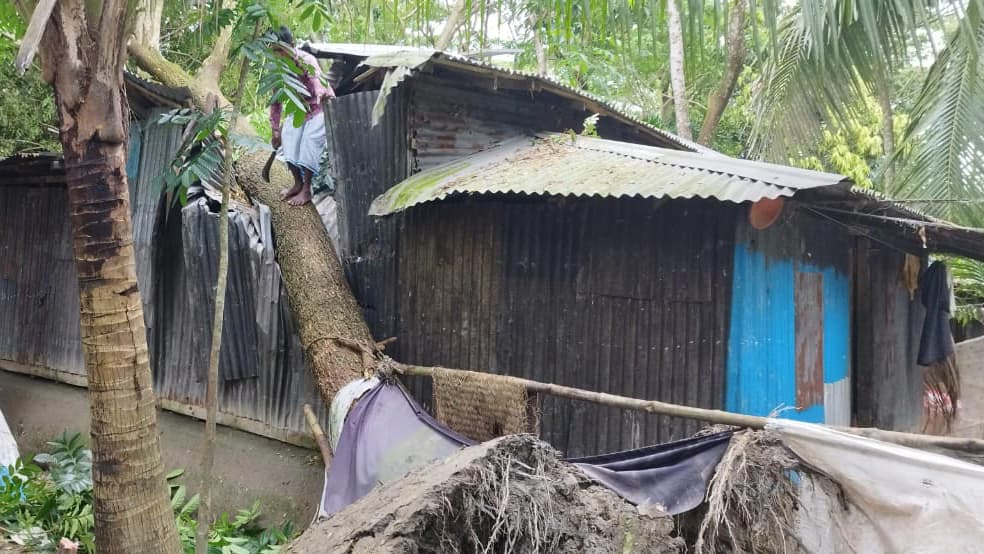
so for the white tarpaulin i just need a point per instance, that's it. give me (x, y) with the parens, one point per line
(8, 446)
(898, 499)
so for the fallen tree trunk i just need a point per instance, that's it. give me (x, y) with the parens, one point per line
(329, 321)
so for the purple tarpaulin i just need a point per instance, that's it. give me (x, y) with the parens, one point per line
(387, 435)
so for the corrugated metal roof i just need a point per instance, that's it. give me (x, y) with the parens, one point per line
(556, 165)
(388, 56)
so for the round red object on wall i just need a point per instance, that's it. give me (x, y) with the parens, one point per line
(765, 212)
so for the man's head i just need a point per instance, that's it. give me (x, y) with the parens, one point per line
(284, 37)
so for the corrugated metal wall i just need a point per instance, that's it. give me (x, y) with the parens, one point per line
(451, 118)
(157, 146)
(39, 291)
(262, 369)
(367, 160)
(264, 382)
(615, 295)
(790, 341)
(888, 384)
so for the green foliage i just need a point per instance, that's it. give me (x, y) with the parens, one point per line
(28, 122)
(968, 288)
(199, 158)
(69, 463)
(941, 155)
(39, 506)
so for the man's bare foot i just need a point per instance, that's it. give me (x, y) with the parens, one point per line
(301, 198)
(287, 193)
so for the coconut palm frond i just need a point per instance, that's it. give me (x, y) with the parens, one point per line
(831, 54)
(946, 159)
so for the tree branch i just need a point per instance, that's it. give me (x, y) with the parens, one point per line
(455, 19)
(718, 100)
(32, 37)
(677, 79)
(172, 75)
(211, 70)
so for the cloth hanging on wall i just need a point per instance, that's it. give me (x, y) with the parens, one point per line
(936, 343)
(936, 348)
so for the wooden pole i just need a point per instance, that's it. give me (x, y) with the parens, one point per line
(319, 434)
(914, 440)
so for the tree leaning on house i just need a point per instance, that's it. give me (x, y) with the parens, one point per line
(82, 51)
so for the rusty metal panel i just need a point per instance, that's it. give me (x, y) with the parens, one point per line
(450, 119)
(515, 286)
(263, 373)
(545, 91)
(808, 298)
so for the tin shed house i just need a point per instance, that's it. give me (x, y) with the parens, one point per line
(636, 263)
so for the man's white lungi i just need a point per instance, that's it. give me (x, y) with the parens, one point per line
(302, 146)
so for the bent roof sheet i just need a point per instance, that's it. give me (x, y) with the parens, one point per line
(556, 165)
(388, 57)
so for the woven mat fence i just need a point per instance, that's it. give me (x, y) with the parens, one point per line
(482, 406)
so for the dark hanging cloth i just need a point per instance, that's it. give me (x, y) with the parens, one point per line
(936, 348)
(936, 343)
(672, 475)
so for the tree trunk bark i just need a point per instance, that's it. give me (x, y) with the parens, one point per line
(887, 130)
(541, 51)
(677, 80)
(329, 322)
(82, 55)
(218, 320)
(455, 19)
(719, 99)
(211, 70)
(147, 23)
(171, 74)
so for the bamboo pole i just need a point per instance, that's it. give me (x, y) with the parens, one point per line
(319, 434)
(914, 440)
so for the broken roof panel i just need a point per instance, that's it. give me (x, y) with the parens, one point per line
(420, 59)
(556, 165)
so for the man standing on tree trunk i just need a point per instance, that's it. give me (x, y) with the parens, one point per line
(300, 147)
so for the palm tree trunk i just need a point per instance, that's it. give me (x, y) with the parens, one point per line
(719, 99)
(84, 63)
(677, 80)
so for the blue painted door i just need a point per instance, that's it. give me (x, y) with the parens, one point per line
(789, 339)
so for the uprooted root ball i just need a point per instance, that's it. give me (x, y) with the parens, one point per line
(507, 495)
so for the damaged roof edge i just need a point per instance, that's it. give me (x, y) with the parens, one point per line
(389, 57)
(596, 167)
